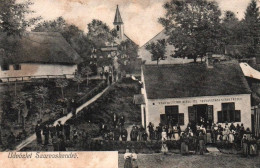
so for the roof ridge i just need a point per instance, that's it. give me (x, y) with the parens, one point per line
(153, 38)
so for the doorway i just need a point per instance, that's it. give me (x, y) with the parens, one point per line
(201, 115)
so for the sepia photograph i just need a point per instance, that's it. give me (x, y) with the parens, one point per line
(129, 83)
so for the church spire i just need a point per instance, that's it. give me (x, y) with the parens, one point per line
(118, 19)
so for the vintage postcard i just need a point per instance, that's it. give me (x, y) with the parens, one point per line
(129, 83)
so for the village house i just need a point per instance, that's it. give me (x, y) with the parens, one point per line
(36, 55)
(185, 93)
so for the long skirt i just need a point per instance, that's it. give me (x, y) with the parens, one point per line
(230, 138)
(128, 163)
(164, 148)
(134, 164)
(245, 149)
(253, 149)
(209, 139)
(225, 137)
(176, 136)
(184, 148)
(201, 147)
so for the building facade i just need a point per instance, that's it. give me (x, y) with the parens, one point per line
(183, 94)
(36, 55)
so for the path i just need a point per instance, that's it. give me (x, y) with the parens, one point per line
(62, 119)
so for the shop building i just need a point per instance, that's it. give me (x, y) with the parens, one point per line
(185, 93)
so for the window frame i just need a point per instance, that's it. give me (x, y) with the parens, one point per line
(17, 67)
(229, 113)
(5, 67)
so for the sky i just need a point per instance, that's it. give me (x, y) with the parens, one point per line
(140, 17)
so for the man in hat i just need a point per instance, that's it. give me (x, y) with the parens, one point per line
(38, 133)
(46, 133)
(124, 135)
(67, 131)
(59, 128)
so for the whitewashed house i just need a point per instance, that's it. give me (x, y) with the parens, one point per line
(36, 55)
(183, 93)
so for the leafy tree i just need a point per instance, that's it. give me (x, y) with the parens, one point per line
(61, 83)
(128, 48)
(157, 50)
(13, 18)
(74, 36)
(252, 29)
(86, 71)
(193, 27)
(78, 78)
(41, 92)
(231, 27)
(100, 34)
(19, 104)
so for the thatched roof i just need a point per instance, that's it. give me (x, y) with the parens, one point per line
(194, 80)
(37, 47)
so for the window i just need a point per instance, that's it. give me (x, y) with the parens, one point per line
(117, 28)
(173, 116)
(5, 67)
(228, 113)
(17, 67)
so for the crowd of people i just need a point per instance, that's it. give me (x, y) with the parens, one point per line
(60, 135)
(114, 131)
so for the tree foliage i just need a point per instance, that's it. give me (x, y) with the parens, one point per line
(100, 34)
(251, 24)
(128, 48)
(13, 18)
(157, 50)
(61, 83)
(73, 35)
(193, 27)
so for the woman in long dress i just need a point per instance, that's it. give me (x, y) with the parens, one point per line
(209, 133)
(244, 143)
(253, 147)
(231, 137)
(201, 143)
(164, 148)
(134, 160)
(128, 159)
(184, 144)
(175, 133)
(164, 135)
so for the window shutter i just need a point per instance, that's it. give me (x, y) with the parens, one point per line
(181, 119)
(220, 117)
(191, 114)
(210, 112)
(237, 116)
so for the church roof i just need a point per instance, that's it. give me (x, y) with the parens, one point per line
(194, 80)
(118, 19)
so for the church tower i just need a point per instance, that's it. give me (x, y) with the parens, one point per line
(119, 25)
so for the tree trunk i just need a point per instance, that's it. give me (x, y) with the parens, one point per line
(87, 79)
(78, 87)
(194, 58)
(62, 93)
(157, 61)
(15, 93)
(19, 116)
(23, 122)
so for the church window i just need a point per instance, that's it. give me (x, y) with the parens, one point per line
(117, 28)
